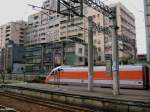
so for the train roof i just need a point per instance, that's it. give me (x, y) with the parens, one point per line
(97, 68)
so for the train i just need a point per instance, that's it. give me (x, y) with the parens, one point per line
(130, 76)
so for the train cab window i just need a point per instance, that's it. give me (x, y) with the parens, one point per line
(60, 70)
(53, 73)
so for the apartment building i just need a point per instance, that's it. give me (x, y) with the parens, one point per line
(44, 27)
(47, 26)
(43, 57)
(12, 37)
(126, 33)
(147, 26)
(13, 31)
(102, 41)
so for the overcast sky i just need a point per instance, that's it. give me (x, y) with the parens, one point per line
(11, 10)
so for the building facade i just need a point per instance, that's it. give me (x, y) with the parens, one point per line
(13, 31)
(141, 58)
(12, 37)
(43, 57)
(126, 33)
(14, 57)
(46, 26)
(147, 26)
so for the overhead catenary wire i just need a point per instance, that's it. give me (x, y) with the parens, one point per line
(97, 27)
(55, 12)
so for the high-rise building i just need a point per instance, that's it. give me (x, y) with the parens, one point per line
(12, 37)
(126, 33)
(12, 31)
(147, 26)
(46, 26)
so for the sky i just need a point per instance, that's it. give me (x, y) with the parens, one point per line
(12, 10)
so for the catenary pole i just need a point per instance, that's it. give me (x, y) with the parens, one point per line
(90, 53)
(116, 87)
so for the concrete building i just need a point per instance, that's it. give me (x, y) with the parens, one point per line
(45, 56)
(46, 26)
(14, 57)
(147, 26)
(14, 31)
(126, 33)
(12, 37)
(1, 60)
(43, 27)
(141, 58)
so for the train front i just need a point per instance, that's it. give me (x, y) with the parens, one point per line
(50, 77)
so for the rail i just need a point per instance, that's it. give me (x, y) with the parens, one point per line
(46, 102)
(131, 102)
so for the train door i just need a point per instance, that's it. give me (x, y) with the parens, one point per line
(146, 84)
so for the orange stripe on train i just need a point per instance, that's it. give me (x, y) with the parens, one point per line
(124, 75)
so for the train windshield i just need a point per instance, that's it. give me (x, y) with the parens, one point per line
(56, 70)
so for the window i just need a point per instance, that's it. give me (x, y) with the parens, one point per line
(50, 26)
(42, 38)
(99, 58)
(42, 34)
(22, 29)
(36, 17)
(7, 35)
(80, 50)
(80, 59)
(7, 27)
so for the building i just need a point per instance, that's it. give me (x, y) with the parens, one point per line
(12, 37)
(14, 57)
(43, 27)
(46, 26)
(45, 56)
(1, 60)
(126, 33)
(14, 31)
(147, 26)
(141, 58)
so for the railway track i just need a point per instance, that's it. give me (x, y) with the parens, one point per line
(46, 102)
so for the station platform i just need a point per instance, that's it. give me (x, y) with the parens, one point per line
(131, 94)
(129, 99)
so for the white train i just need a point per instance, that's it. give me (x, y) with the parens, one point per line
(131, 76)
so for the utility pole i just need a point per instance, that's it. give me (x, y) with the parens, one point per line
(116, 87)
(4, 65)
(90, 53)
(42, 58)
(146, 30)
